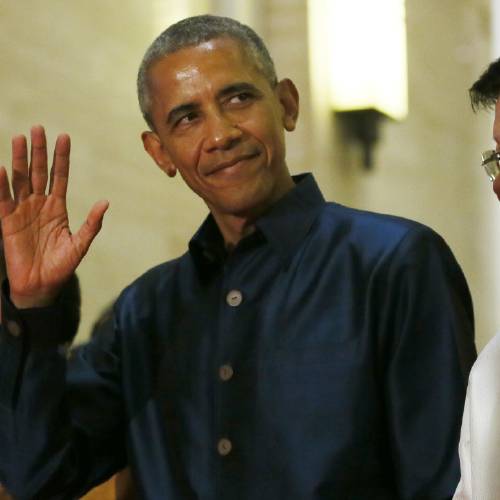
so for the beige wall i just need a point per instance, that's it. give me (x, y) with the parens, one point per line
(72, 67)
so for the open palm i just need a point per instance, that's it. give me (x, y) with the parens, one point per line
(41, 253)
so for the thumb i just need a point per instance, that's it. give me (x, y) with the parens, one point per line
(89, 229)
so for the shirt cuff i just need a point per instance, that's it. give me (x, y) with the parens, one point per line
(39, 327)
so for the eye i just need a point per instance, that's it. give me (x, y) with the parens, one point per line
(186, 119)
(240, 98)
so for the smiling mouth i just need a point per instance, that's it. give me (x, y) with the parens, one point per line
(231, 163)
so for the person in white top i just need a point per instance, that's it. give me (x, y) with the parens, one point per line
(480, 436)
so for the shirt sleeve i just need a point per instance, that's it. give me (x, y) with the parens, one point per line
(479, 455)
(428, 310)
(61, 420)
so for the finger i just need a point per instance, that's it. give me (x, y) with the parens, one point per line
(7, 204)
(20, 177)
(85, 235)
(60, 166)
(38, 164)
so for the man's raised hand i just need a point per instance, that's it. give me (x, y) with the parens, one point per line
(40, 251)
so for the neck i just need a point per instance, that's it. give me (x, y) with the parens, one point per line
(235, 227)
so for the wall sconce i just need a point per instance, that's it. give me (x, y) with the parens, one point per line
(364, 42)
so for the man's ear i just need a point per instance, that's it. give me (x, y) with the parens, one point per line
(289, 99)
(153, 146)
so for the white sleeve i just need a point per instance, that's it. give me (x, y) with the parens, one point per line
(464, 488)
(479, 450)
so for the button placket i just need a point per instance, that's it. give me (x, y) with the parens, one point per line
(233, 299)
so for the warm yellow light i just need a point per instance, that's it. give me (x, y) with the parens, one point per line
(363, 44)
(168, 12)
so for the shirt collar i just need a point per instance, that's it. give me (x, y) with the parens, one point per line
(284, 226)
(291, 218)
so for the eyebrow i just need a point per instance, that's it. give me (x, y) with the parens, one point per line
(235, 88)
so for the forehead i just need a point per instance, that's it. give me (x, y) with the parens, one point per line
(210, 64)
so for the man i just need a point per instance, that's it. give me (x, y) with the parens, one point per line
(298, 350)
(479, 457)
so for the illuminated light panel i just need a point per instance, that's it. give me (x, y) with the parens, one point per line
(363, 44)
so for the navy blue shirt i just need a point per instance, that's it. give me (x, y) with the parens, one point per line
(326, 357)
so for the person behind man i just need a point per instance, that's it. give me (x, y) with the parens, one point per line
(479, 452)
(298, 350)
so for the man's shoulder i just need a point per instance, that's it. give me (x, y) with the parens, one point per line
(377, 230)
(164, 270)
(368, 218)
(156, 279)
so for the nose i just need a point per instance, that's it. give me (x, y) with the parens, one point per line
(221, 133)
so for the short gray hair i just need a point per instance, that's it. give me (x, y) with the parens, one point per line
(193, 31)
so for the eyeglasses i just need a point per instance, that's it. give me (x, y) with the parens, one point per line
(491, 163)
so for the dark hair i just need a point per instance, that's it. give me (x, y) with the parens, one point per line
(191, 32)
(485, 91)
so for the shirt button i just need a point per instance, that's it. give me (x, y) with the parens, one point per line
(224, 447)
(14, 328)
(226, 372)
(234, 298)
